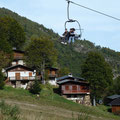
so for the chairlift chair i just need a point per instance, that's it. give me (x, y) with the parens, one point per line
(71, 21)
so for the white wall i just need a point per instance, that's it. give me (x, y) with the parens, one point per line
(14, 63)
(22, 74)
(20, 62)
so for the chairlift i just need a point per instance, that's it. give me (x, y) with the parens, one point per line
(76, 29)
(71, 21)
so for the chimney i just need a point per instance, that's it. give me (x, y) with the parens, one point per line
(70, 75)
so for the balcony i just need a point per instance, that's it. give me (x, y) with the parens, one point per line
(18, 57)
(75, 91)
(25, 78)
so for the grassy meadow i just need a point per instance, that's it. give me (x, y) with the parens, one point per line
(50, 106)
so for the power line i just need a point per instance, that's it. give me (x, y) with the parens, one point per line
(94, 10)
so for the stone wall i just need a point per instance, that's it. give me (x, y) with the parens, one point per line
(81, 99)
(87, 100)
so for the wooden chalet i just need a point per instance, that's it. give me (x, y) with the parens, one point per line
(18, 57)
(20, 76)
(115, 105)
(52, 75)
(75, 89)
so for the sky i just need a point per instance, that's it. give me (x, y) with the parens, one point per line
(52, 14)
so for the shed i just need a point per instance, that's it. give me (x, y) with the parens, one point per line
(115, 105)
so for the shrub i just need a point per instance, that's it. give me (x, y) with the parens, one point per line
(35, 87)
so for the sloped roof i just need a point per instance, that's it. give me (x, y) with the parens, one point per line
(67, 77)
(52, 68)
(113, 97)
(73, 81)
(16, 50)
(115, 102)
(16, 66)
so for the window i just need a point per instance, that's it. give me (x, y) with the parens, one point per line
(66, 87)
(74, 87)
(85, 88)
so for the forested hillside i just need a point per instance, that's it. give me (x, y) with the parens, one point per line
(69, 56)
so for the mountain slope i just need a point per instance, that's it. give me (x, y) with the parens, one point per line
(31, 28)
(70, 56)
(51, 106)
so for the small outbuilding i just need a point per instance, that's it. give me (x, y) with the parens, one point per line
(115, 105)
(109, 99)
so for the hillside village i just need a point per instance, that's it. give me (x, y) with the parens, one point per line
(44, 71)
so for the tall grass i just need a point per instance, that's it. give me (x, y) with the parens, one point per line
(8, 112)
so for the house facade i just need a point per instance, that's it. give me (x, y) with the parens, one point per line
(18, 57)
(52, 75)
(75, 89)
(19, 76)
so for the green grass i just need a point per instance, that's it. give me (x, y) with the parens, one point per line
(48, 98)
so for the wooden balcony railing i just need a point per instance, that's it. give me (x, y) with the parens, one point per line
(24, 78)
(18, 57)
(75, 91)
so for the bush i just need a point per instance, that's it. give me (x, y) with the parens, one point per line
(35, 87)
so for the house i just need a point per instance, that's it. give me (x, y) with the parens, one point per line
(52, 75)
(19, 76)
(75, 89)
(115, 105)
(18, 57)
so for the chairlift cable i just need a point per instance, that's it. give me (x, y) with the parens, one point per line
(115, 18)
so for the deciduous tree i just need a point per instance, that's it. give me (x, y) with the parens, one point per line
(99, 74)
(40, 53)
(12, 32)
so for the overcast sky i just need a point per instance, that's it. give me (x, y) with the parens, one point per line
(52, 14)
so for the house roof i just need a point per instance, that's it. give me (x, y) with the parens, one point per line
(115, 102)
(22, 66)
(52, 68)
(113, 97)
(68, 77)
(74, 81)
(20, 51)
